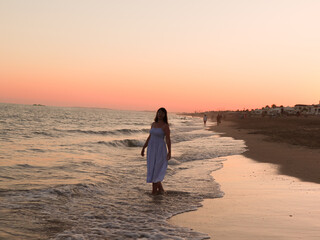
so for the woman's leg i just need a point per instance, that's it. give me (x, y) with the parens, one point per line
(160, 188)
(154, 188)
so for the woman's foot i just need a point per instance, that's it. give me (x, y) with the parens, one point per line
(160, 188)
(157, 189)
(162, 192)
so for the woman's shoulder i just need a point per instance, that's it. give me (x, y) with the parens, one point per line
(165, 126)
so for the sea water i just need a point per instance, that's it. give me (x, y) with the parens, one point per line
(77, 173)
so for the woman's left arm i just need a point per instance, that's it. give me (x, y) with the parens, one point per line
(168, 141)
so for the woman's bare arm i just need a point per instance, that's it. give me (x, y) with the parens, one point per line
(144, 146)
(146, 143)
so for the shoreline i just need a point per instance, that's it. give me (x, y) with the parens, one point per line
(270, 193)
(293, 160)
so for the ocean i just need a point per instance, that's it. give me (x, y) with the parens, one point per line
(77, 173)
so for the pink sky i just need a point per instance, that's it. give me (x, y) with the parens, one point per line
(140, 55)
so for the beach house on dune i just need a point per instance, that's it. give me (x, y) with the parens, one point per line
(298, 109)
(276, 111)
(289, 110)
(313, 109)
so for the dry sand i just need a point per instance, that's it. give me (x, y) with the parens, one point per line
(272, 191)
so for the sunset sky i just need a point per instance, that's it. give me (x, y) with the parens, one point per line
(143, 54)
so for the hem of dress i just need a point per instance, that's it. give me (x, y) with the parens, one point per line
(152, 181)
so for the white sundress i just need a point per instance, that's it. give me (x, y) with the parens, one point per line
(157, 162)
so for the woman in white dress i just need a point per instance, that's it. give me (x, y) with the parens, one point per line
(157, 152)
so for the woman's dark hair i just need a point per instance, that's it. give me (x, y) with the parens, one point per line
(165, 118)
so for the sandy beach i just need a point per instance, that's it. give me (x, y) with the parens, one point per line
(271, 191)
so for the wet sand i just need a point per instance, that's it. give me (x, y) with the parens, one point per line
(272, 191)
(293, 160)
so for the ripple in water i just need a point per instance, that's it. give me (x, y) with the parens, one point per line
(89, 183)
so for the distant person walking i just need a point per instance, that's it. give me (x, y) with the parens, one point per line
(157, 153)
(205, 119)
(219, 117)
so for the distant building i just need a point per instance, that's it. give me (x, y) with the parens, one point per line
(276, 111)
(313, 109)
(257, 111)
(301, 108)
(289, 110)
(304, 109)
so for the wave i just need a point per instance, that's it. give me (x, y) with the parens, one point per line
(183, 137)
(219, 148)
(47, 134)
(123, 143)
(113, 132)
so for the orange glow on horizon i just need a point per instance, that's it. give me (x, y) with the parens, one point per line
(201, 56)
